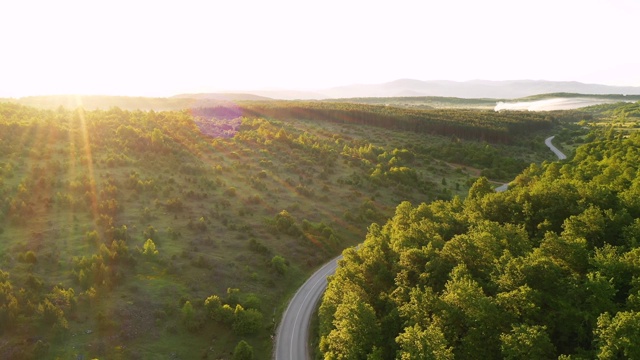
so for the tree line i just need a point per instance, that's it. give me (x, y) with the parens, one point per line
(487, 125)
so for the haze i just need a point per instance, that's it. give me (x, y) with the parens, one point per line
(148, 48)
(551, 104)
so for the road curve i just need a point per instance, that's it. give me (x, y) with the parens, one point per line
(547, 141)
(292, 339)
(555, 150)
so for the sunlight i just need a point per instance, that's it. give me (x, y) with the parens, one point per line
(89, 159)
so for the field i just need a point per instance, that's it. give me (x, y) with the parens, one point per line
(117, 226)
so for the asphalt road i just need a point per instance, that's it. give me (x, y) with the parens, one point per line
(555, 150)
(292, 339)
(547, 141)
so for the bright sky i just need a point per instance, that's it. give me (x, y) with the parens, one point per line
(162, 48)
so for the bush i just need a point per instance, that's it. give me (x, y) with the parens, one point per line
(243, 351)
(279, 264)
(174, 205)
(30, 257)
(247, 322)
(213, 305)
(231, 191)
(149, 248)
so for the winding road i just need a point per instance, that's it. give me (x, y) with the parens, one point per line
(555, 150)
(547, 141)
(292, 338)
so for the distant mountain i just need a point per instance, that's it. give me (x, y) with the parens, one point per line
(473, 89)
(258, 95)
(223, 96)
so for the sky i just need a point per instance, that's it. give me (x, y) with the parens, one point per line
(163, 48)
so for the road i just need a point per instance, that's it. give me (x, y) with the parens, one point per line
(547, 141)
(292, 339)
(555, 150)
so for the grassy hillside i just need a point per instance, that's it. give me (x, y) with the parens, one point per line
(130, 234)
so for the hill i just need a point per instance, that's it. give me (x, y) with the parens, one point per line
(222, 96)
(473, 89)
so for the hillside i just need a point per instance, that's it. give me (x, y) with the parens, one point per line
(131, 234)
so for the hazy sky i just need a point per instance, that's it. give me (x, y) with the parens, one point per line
(161, 48)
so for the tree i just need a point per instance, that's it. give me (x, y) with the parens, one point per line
(189, 318)
(52, 315)
(285, 223)
(356, 330)
(150, 233)
(30, 257)
(618, 337)
(470, 316)
(157, 138)
(149, 248)
(227, 314)
(213, 304)
(188, 313)
(527, 342)
(8, 303)
(247, 322)
(279, 264)
(480, 188)
(423, 344)
(243, 351)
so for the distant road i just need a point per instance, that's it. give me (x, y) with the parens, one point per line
(558, 153)
(292, 339)
(547, 141)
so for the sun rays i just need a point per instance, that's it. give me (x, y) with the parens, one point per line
(86, 148)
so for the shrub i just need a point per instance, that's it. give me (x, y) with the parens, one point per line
(279, 264)
(149, 248)
(30, 257)
(247, 322)
(243, 351)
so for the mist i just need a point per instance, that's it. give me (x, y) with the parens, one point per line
(551, 104)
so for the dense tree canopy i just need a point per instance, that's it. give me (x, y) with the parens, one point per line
(549, 268)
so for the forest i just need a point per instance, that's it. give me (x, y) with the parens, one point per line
(485, 125)
(547, 269)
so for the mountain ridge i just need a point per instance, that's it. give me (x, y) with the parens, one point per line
(506, 89)
(472, 89)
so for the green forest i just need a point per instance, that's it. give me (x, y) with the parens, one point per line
(548, 269)
(181, 234)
